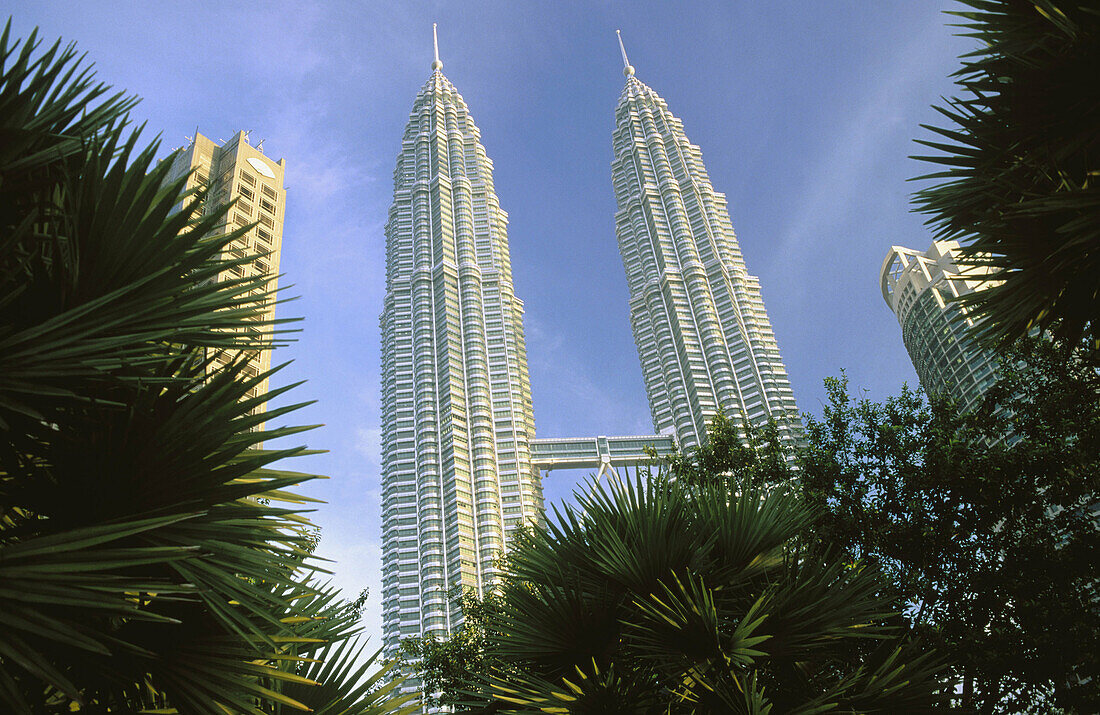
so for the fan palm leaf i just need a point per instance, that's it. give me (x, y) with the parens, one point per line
(665, 596)
(344, 686)
(153, 556)
(1018, 159)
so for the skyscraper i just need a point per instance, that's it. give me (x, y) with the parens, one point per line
(457, 421)
(238, 170)
(919, 288)
(703, 337)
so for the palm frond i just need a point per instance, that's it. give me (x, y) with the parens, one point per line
(1017, 180)
(153, 556)
(691, 596)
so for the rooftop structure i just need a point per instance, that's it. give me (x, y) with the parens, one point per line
(921, 289)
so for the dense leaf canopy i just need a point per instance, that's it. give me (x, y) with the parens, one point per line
(985, 523)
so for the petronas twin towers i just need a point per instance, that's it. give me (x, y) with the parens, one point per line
(456, 398)
(459, 470)
(703, 337)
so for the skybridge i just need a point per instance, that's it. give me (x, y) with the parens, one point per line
(601, 454)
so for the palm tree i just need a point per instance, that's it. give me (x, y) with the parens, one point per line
(151, 556)
(667, 597)
(1018, 179)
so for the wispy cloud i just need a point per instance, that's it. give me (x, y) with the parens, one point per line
(561, 376)
(841, 175)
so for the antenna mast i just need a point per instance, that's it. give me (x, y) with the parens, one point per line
(627, 69)
(436, 65)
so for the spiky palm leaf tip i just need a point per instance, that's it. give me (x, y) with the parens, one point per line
(152, 556)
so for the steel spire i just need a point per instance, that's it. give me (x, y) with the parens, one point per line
(436, 65)
(628, 71)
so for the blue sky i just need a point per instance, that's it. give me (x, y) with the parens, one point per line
(805, 113)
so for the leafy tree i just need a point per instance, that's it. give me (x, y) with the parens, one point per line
(453, 668)
(659, 596)
(735, 451)
(151, 556)
(1019, 160)
(985, 523)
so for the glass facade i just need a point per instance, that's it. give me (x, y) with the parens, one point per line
(921, 289)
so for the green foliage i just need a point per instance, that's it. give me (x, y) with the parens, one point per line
(983, 526)
(453, 668)
(151, 556)
(335, 682)
(985, 523)
(735, 451)
(659, 596)
(1019, 162)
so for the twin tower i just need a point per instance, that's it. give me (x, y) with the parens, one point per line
(460, 463)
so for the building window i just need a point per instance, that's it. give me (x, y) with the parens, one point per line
(267, 206)
(269, 192)
(246, 192)
(267, 222)
(264, 235)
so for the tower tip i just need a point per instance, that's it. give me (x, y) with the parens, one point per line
(628, 70)
(436, 65)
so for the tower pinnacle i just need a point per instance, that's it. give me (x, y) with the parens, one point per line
(436, 65)
(628, 71)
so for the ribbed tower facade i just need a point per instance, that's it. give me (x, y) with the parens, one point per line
(457, 421)
(703, 336)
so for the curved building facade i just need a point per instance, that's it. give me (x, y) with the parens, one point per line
(920, 288)
(703, 336)
(457, 421)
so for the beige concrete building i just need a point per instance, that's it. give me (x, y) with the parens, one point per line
(236, 170)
